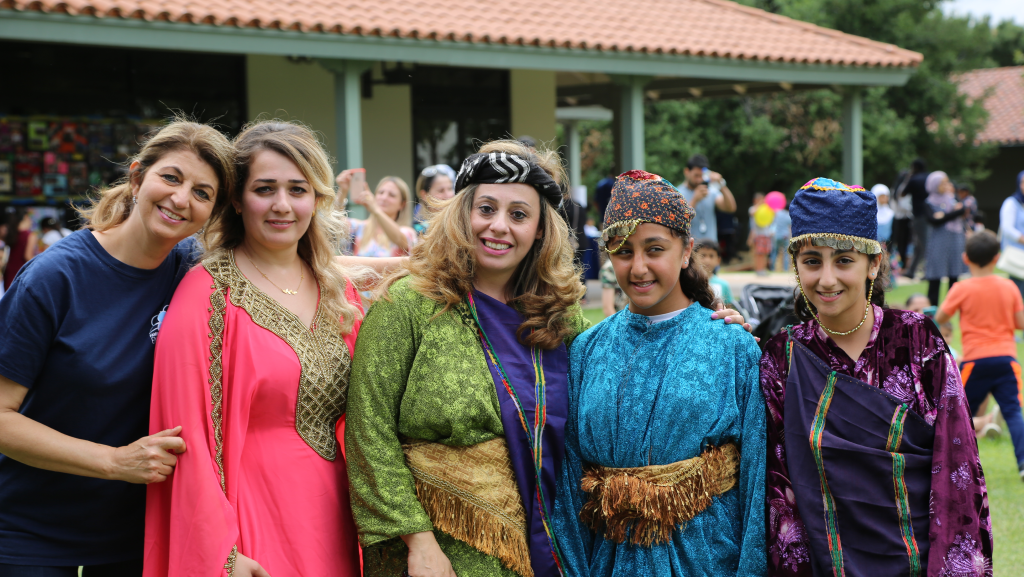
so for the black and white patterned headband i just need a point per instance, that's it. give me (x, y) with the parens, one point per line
(504, 168)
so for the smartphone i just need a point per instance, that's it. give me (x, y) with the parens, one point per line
(358, 179)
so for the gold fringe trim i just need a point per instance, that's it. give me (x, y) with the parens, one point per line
(470, 493)
(645, 504)
(836, 241)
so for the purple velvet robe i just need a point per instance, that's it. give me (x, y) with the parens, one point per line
(500, 322)
(907, 358)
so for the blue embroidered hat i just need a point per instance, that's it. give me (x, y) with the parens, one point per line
(836, 215)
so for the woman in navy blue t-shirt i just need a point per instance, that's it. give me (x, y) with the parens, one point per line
(77, 329)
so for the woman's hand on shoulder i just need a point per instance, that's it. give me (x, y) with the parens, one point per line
(149, 460)
(732, 317)
(246, 567)
(426, 559)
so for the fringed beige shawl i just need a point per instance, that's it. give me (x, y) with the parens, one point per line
(470, 493)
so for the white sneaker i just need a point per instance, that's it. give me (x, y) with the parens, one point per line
(991, 431)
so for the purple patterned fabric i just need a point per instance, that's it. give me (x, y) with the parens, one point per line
(907, 358)
(852, 440)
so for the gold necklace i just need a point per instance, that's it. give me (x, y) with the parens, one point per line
(284, 290)
(867, 308)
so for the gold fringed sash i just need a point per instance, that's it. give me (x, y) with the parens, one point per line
(653, 500)
(470, 493)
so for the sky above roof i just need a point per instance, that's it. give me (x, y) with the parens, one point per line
(997, 10)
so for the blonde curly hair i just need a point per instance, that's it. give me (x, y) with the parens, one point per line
(546, 283)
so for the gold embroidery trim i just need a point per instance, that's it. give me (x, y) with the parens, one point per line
(471, 494)
(323, 355)
(232, 559)
(646, 504)
(218, 305)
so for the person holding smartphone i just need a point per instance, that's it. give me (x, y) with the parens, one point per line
(387, 232)
(706, 191)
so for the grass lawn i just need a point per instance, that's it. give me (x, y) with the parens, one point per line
(1005, 489)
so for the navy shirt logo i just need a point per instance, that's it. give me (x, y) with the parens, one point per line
(157, 320)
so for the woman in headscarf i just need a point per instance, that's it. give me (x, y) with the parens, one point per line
(1011, 228)
(946, 241)
(873, 467)
(457, 403)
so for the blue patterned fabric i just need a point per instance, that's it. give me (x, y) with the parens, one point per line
(653, 394)
(825, 206)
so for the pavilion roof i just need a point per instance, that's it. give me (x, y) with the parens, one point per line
(1003, 90)
(708, 28)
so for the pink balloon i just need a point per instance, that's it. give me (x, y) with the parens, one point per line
(776, 200)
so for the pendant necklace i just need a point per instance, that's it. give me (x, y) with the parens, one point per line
(867, 309)
(284, 290)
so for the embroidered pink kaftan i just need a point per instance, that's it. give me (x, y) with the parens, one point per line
(259, 396)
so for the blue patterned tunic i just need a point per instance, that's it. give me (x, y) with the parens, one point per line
(654, 394)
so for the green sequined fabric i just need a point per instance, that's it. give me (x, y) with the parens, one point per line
(415, 377)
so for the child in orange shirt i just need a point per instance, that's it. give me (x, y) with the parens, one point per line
(991, 309)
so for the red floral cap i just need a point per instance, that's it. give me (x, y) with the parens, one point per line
(640, 196)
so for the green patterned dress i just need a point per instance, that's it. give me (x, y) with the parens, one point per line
(415, 377)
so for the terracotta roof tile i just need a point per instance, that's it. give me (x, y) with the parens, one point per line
(725, 29)
(1003, 89)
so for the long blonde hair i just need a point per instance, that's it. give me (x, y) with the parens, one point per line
(404, 216)
(226, 230)
(114, 203)
(547, 281)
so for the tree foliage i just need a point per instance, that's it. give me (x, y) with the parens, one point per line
(779, 141)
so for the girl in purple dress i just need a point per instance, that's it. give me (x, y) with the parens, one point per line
(872, 462)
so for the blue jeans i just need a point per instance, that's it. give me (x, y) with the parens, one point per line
(1001, 377)
(779, 246)
(123, 569)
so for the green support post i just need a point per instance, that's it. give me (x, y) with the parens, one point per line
(631, 121)
(573, 137)
(348, 116)
(853, 137)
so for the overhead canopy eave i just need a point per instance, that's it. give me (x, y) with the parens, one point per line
(160, 35)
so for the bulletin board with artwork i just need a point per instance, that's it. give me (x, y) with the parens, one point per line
(52, 159)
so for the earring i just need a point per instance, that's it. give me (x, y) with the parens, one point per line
(135, 200)
(238, 211)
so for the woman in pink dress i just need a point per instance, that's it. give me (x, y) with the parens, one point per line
(253, 360)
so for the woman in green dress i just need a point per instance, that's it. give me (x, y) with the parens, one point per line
(452, 452)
